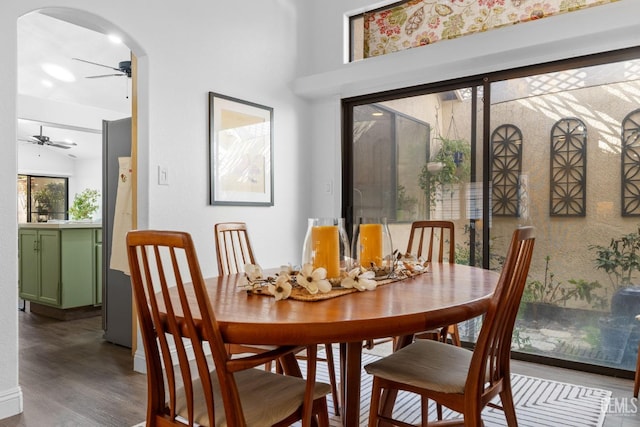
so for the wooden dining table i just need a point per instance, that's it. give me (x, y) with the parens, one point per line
(446, 294)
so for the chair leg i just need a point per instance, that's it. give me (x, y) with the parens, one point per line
(636, 382)
(322, 413)
(331, 369)
(374, 408)
(424, 407)
(455, 335)
(507, 405)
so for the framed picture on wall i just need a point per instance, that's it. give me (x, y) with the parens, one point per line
(240, 152)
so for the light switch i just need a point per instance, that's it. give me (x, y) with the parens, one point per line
(163, 175)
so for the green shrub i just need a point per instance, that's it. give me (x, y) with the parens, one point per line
(84, 204)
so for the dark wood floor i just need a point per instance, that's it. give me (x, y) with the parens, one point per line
(71, 377)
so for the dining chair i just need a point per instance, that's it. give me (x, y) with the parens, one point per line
(430, 237)
(233, 251)
(465, 381)
(210, 391)
(233, 247)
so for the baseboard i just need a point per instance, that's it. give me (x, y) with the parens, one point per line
(11, 403)
(65, 314)
(140, 362)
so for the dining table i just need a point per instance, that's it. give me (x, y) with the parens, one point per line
(443, 295)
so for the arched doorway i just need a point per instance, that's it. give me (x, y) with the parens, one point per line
(74, 33)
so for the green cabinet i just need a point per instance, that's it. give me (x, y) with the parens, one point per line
(60, 267)
(39, 265)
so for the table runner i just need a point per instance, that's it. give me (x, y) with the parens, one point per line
(301, 294)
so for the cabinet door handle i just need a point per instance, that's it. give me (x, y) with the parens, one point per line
(35, 245)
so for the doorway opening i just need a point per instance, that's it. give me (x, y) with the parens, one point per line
(72, 111)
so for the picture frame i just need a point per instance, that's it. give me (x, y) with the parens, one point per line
(240, 152)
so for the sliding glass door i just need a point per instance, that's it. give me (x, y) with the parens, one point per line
(556, 147)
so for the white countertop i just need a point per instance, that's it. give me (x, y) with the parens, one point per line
(62, 224)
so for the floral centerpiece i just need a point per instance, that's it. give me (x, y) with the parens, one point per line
(314, 280)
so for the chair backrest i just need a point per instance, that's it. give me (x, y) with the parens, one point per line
(432, 235)
(233, 248)
(490, 362)
(159, 260)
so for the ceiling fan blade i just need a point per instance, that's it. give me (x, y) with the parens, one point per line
(105, 75)
(95, 63)
(54, 144)
(65, 143)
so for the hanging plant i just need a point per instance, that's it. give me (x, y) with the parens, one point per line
(451, 165)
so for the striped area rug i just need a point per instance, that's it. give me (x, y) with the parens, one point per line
(539, 403)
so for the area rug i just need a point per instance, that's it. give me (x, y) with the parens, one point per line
(539, 403)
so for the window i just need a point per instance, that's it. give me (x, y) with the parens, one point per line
(413, 23)
(41, 198)
(392, 149)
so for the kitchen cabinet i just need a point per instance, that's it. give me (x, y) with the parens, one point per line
(60, 264)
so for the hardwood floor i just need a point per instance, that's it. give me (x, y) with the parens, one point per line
(71, 377)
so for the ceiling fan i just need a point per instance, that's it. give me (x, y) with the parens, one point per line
(45, 140)
(123, 69)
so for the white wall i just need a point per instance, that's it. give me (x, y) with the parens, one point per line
(88, 174)
(185, 50)
(36, 159)
(189, 48)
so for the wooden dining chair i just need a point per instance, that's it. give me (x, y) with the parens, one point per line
(233, 251)
(435, 241)
(233, 247)
(465, 381)
(429, 238)
(209, 391)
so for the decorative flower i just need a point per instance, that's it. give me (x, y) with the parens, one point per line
(313, 280)
(253, 272)
(361, 280)
(281, 289)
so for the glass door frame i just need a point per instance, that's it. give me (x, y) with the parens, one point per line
(348, 105)
(483, 143)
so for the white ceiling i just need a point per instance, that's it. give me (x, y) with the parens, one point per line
(43, 39)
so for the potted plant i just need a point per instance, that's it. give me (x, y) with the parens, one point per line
(449, 166)
(84, 204)
(621, 261)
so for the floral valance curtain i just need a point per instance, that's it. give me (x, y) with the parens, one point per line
(421, 22)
